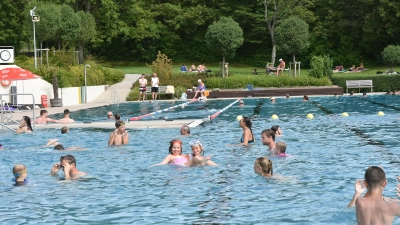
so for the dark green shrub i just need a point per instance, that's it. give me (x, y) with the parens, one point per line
(321, 66)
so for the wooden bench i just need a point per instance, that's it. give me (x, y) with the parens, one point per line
(358, 84)
(162, 90)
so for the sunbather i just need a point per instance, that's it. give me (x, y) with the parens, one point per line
(361, 67)
(353, 68)
(338, 69)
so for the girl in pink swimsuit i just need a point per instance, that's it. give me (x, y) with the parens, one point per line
(175, 155)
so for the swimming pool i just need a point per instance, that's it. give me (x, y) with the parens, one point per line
(329, 153)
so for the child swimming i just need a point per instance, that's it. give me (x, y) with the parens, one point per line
(197, 155)
(281, 149)
(20, 173)
(175, 155)
(263, 167)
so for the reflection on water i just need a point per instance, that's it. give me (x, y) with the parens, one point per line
(328, 154)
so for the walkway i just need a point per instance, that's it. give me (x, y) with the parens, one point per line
(122, 89)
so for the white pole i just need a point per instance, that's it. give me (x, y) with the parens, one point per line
(87, 65)
(34, 44)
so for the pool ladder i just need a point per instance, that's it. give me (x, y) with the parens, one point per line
(6, 115)
(114, 96)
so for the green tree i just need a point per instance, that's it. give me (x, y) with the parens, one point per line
(224, 37)
(292, 37)
(68, 27)
(50, 18)
(12, 31)
(275, 11)
(391, 55)
(87, 30)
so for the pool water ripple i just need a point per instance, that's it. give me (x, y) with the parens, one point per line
(328, 154)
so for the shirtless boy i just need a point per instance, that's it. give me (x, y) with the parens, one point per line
(43, 119)
(68, 165)
(66, 118)
(119, 136)
(371, 208)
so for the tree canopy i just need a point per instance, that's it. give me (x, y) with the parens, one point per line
(349, 31)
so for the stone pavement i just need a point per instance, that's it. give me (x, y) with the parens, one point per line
(123, 88)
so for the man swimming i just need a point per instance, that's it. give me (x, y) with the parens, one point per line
(43, 119)
(68, 165)
(119, 136)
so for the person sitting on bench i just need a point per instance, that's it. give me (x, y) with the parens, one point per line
(201, 88)
(281, 67)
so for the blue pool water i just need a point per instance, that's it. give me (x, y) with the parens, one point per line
(328, 154)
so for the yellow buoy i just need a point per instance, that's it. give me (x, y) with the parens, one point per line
(345, 114)
(380, 113)
(274, 117)
(239, 118)
(310, 116)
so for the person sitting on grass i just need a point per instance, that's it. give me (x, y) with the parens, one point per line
(184, 68)
(360, 68)
(353, 68)
(192, 68)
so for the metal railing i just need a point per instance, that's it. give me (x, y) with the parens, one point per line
(114, 96)
(8, 118)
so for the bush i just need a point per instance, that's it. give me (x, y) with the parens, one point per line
(380, 82)
(162, 66)
(70, 74)
(262, 81)
(321, 66)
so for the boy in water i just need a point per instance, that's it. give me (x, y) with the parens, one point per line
(371, 208)
(20, 173)
(68, 165)
(119, 136)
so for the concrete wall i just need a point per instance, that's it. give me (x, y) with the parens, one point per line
(39, 87)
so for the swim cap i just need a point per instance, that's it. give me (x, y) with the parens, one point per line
(195, 142)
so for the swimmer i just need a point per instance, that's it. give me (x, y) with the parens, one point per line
(68, 165)
(277, 130)
(263, 167)
(197, 155)
(52, 142)
(268, 138)
(185, 130)
(247, 136)
(61, 147)
(43, 119)
(20, 173)
(110, 115)
(120, 136)
(66, 118)
(281, 149)
(25, 125)
(305, 98)
(175, 156)
(372, 207)
(273, 99)
(117, 117)
(287, 96)
(1, 146)
(241, 103)
(64, 130)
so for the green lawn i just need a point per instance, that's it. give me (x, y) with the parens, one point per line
(234, 68)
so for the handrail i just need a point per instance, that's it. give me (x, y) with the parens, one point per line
(114, 96)
(5, 116)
